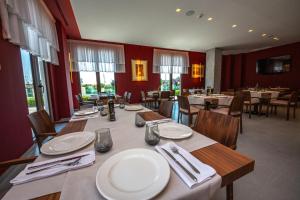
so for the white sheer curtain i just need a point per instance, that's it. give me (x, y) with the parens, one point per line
(27, 23)
(165, 61)
(98, 57)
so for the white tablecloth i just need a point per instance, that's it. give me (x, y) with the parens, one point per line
(257, 94)
(200, 99)
(80, 184)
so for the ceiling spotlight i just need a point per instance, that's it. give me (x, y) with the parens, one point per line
(210, 19)
(264, 34)
(178, 10)
(250, 30)
(234, 25)
(275, 38)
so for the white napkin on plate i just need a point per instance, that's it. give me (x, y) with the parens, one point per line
(79, 118)
(206, 171)
(85, 161)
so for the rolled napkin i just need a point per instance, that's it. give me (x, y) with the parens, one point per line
(79, 118)
(159, 121)
(206, 171)
(44, 169)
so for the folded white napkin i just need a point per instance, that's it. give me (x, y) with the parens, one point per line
(79, 118)
(206, 171)
(85, 161)
(159, 121)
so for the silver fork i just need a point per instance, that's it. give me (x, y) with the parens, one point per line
(176, 151)
(73, 163)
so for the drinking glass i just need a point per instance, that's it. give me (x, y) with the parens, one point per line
(103, 141)
(152, 135)
(139, 121)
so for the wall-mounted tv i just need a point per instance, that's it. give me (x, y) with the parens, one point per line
(274, 65)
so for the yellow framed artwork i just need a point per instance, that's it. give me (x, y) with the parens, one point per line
(197, 71)
(139, 70)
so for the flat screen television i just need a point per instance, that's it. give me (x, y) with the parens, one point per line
(274, 65)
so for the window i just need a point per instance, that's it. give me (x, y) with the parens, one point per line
(176, 83)
(88, 82)
(165, 82)
(107, 82)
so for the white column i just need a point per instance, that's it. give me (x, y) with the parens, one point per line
(213, 69)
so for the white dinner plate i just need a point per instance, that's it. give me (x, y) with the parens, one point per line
(133, 174)
(174, 130)
(134, 107)
(85, 112)
(67, 143)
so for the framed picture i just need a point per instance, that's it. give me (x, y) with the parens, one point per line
(197, 71)
(139, 70)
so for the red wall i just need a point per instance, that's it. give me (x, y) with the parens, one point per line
(240, 70)
(124, 82)
(15, 132)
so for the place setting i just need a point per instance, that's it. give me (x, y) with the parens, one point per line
(85, 114)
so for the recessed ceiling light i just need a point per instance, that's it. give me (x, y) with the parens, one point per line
(234, 25)
(178, 10)
(264, 34)
(275, 38)
(210, 19)
(250, 30)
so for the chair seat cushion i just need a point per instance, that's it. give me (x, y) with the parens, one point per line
(278, 102)
(193, 110)
(223, 111)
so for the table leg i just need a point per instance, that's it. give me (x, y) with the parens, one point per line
(229, 192)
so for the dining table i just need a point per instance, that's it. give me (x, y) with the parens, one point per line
(259, 93)
(200, 99)
(230, 165)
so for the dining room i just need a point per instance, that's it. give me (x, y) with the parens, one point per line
(127, 99)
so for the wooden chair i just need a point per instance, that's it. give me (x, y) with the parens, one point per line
(128, 98)
(290, 103)
(235, 109)
(166, 108)
(146, 100)
(82, 102)
(249, 101)
(164, 96)
(125, 96)
(42, 126)
(265, 100)
(221, 128)
(186, 109)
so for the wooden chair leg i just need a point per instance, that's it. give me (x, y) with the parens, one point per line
(178, 116)
(250, 110)
(190, 120)
(275, 110)
(288, 113)
(267, 112)
(229, 192)
(294, 112)
(241, 123)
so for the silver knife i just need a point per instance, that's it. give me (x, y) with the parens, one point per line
(180, 165)
(55, 162)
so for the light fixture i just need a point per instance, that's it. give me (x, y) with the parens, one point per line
(210, 19)
(264, 35)
(234, 25)
(178, 10)
(250, 30)
(275, 38)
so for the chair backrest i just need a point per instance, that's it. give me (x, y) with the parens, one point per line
(166, 108)
(246, 95)
(237, 104)
(80, 100)
(219, 127)
(143, 95)
(183, 103)
(125, 95)
(128, 99)
(165, 94)
(294, 97)
(172, 92)
(41, 123)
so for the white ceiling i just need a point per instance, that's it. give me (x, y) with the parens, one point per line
(155, 23)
